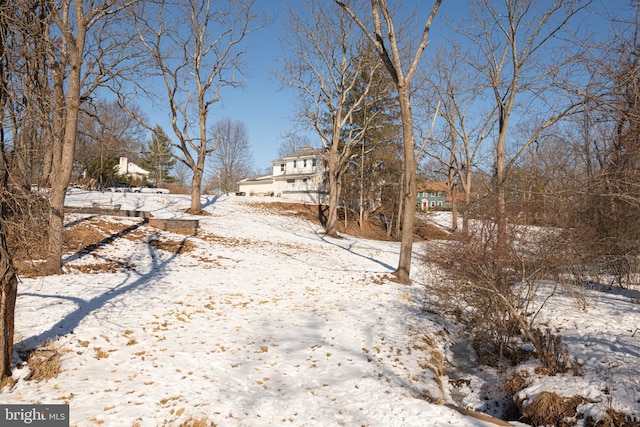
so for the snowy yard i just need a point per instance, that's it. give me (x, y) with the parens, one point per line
(259, 320)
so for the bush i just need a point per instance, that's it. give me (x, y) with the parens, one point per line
(27, 224)
(494, 287)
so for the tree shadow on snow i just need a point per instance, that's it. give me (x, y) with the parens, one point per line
(79, 221)
(84, 307)
(92, 247)
(208, 201)
(610, 289)
(350, 247)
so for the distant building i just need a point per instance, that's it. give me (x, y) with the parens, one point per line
(261, 185)
(299, 176)
(131, 170)
(433, 195)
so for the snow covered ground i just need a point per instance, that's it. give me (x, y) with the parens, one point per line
(261, 320)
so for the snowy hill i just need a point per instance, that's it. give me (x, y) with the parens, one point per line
(258, 320)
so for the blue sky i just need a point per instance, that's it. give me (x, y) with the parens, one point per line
(266, 111)
(262, 107)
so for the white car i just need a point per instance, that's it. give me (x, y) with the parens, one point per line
(149, 188)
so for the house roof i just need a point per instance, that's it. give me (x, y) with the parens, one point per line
(432, 186)
(258, 179)
(307, 151)
(125, 167)
(135, 169)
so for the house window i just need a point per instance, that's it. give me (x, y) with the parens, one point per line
(440, 203)
(304, 165)
(433, 204)
(304, 179)
(295, 162)
(313, 162)
(291, 181)
(281, 167)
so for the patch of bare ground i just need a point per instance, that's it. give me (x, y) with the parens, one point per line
(102, 267)
(227, 241)
(89, 235)
(372, 228)
(201, 213)
(174, 246)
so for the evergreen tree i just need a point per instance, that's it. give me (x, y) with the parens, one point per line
(158, 158)
(104, 172)
(371, 182)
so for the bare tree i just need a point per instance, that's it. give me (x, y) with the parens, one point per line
(292, 143)
(181, 173)
(8, 277)
(386, 42)
(606, 220)
(84, 51)
(105, 131)
(465, 128)
(523, 78)
(232, 160)
(8, 282)
(194, 48)
(325, 63)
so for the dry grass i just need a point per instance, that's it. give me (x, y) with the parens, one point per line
(44, 362)
(197, 422)
(613, 419)
(550, 409)
(7, 381)
(519, 381)
(372, 229)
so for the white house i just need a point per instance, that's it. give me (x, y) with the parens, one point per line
(128, 169)
(299, 176)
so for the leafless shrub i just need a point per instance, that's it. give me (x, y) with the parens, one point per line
(518, 381)
(553, 354)
(606, 235)
(495, 288)
(27, 223)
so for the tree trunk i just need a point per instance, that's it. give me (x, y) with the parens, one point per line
(400, 205)
(8, 281)
(8, 292)
(409, 188)
(465, 213)
(331, 226)
(61, 173)
(452, 192)
(361, 201)
(454, 207)
(196, 192)
(500, 181)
